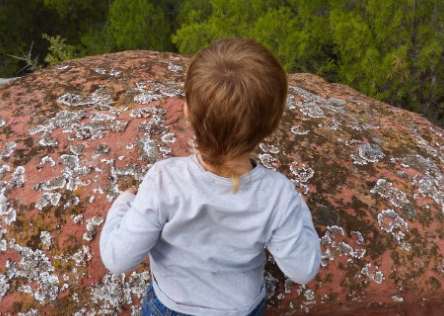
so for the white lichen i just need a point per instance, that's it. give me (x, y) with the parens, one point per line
(9, 216)
(65, 67)
(113, 292)
(301, 177)
(50, 185)
(18, 177)
(91, 223)
(290, 102)
(47, 159)
(25, 289)
(174, 68)
(359, 239)
(168, 138)
(287, 285)
(101, 71)
(3, 245)
(298, 130)
(311, 104)
(390, 222)
(4, 286)
(114, 73)
(8, 149)
(45, 237)
(3, 170)
(269, 148)
(77, 218)
(386, 190)
(82, 256)
(31, 312)
(334, 247)
(145, 96)
(4, 202)
(48, 199)
(375, 275)
(370, 152)
(48, 289)
(76, 150)
(268, 161)
(34, 266)
(337, 102)
(71, 175)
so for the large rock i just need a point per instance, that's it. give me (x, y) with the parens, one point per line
(73, 135)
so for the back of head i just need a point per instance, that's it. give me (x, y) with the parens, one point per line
(236, 91)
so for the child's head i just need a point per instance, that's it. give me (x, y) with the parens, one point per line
(236, 91)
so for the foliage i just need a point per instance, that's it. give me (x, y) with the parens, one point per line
(58, 50)
(138, 24)
(18, 36)
(31, 62)
(391, 50)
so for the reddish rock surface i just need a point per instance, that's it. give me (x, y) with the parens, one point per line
(74, 135)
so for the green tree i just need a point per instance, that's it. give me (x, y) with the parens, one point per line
(139, 24)
(18, 38)
(205, 21)
(297, 31)
(393, 51)
(58, 50)
(83, 24)
(299, 34)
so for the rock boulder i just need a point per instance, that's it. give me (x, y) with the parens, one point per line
(74, 135)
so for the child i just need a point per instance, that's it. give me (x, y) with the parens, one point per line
(205, 219)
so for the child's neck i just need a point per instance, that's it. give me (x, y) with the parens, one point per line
(241, 164)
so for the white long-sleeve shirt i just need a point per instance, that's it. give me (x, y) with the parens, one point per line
(206, 244)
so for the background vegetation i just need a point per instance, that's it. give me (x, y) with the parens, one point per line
(391, 50)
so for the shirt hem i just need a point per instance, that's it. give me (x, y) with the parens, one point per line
(196, 310)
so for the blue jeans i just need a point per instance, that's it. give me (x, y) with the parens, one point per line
(152, 306)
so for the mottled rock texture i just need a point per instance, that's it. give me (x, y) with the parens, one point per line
(73, 135)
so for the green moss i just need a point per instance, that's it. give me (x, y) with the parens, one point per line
(379, 244)
(439, 216)
(60, 210)
(7, 130)
(23, 156)
(415, 233)
(6, 95)
(328, 278)
(357, 204)
(333, 297)
(435, 284)
(351, 282)
(17, 307)
(18, 224)
(34, 241)
(394, 276)
(395, 257)
(325, 215)
(434, 251)
(425, 217)
(127, 182)
(29, 142)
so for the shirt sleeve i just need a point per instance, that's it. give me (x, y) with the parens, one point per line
(295, 245)
(132, 227)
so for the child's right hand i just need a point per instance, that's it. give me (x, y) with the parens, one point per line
(133, 191)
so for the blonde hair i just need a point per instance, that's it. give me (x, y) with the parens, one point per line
(236, 91)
